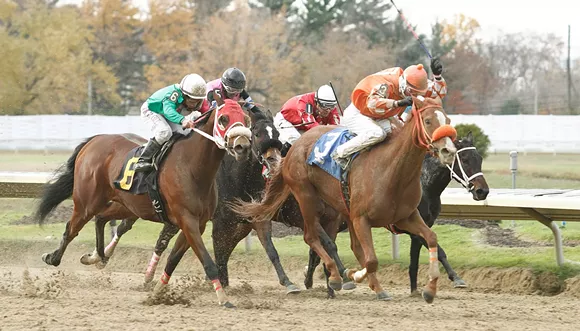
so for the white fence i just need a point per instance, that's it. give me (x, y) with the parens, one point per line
(524, 133)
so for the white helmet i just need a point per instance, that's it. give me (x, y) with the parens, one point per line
(325, 96)
(194, 86)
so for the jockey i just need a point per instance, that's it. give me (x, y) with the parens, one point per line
(377, 100)
(303, 112)
(232, 85)
(171, 109)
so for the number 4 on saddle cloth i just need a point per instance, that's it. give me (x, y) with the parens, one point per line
(321, 156)
(145, 182)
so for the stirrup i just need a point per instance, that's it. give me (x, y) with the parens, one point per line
(343, 163)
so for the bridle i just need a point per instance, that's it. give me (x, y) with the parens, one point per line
(464, 180)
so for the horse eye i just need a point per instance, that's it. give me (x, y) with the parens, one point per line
(428, 122)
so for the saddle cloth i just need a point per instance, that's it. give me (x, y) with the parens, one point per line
(324, 147)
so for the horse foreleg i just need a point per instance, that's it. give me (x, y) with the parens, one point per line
(415, 252)
(191, 229)
(457, 281)
(264, 231)
(371, 263)
(167, 233)
(417, 226)
(98, 257)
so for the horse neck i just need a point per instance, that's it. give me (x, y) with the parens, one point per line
(209, 154)
(407, 157)
(434, 177)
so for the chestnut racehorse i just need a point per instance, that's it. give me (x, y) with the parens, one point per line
(384, 188)
(186, 182)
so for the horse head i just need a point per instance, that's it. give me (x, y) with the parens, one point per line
(266, 145)
(231, 129)
(432, 129)
(466, 168)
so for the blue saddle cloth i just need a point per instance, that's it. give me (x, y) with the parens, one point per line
(324, 147)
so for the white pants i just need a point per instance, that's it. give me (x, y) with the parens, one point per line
(162, 129)
(288, 133)
(368, 131)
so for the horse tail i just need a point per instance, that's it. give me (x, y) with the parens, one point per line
(61, 188)
(276, 193)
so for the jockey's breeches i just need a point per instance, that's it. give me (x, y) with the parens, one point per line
(288, 133)
(368, 131)
(162, 128)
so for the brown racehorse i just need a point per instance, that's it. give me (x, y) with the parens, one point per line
(186, 181)
(384, 187)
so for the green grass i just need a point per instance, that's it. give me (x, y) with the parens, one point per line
(538, 232)
(32, 161)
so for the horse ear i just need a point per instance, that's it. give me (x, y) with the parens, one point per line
(217, 97)
(270, 115)
(469, 137)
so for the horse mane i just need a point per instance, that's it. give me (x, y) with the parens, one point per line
(204, 118)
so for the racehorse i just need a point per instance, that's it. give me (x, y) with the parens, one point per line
(384, 186)
(186, 181)
(435, 177)
(234, 179)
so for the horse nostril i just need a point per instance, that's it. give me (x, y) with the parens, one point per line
(479, 191)
(445, 151)
(239, 149)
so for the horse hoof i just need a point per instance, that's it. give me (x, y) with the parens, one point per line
(428, 296)
(229, 305)
(86, 259)
(348, 286)
(45, 258)
(384, 296)
(292, 289)
(149, 278)
(459, 283)
(335, 284)
(100, 265)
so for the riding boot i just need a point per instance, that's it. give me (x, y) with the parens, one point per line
(145, 162)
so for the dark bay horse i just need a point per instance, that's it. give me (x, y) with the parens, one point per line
(435, 177)
(384, 185)
(186, 180)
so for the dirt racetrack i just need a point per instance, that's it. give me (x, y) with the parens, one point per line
(77, 297)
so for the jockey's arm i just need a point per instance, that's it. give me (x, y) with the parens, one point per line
(299, 116)
(380, 105)
(170, 112)
(248, 99)
(437, 87)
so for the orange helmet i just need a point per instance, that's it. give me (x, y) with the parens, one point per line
(415, 79)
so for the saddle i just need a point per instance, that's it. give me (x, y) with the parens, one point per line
(321, 156)
(146, 182)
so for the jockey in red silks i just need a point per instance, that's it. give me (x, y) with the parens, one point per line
(171, 109)
(232, 85)
(304, 112)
